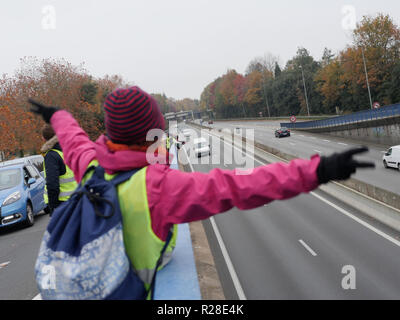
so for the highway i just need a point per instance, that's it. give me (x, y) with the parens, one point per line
(303, 145)
(19, 247)
(301, 248)
(310, 247)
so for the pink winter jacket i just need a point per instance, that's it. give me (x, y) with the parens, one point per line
(176, 197)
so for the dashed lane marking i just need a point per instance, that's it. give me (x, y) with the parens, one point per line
(305, 245)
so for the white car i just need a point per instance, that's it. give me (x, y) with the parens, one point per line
(187, 133)
(392, 158)
(201, 147)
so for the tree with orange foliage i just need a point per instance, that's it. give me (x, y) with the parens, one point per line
(343, 83)
(53, 82)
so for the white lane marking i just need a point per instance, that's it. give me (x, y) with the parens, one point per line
(4, 264)
(225, 254)
(302, 135)
(187, 156)
(228, 261)
(240, 150)
(305, 245)
(366, 196)
(342, 144)
(365, 224)
(326, 141)
(291, 143)
(37, 297)
(318, 151)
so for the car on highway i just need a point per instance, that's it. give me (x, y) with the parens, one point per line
(37, 161)
(187, 133)
(201, 147)
(282, 132)
(391, 158)
(21, 193)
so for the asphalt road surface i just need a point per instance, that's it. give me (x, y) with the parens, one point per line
(19, 247)
(309, 247)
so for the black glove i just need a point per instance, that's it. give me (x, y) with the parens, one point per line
(340, 166)
(44, 111)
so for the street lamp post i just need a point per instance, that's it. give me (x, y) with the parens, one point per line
(366, 76)
(305, 90)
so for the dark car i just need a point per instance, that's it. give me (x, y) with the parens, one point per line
(282, 132)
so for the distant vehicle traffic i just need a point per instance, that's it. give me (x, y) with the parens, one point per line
(21, 191)
(201, 147)
(282, 132)
(187, 133)
(391, 159)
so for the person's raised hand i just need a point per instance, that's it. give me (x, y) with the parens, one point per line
(340, 166)
(45, 111)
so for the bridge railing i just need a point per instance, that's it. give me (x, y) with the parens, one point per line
(367, 115)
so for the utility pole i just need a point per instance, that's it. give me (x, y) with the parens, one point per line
(366, 76)
(244, 112)
(265, 94)
(305, 90)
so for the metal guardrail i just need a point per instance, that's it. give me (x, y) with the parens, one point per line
(368, 115)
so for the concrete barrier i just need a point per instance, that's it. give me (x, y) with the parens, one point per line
(385, 131)
(178, 279)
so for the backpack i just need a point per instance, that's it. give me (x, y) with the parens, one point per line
(82, 254)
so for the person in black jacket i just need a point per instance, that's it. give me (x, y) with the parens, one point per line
(54, 167)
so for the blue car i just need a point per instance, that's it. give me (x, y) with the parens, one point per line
(21, 192)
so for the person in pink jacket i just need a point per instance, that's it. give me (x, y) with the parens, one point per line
(176, 197)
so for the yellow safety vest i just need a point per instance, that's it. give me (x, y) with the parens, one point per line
(142, 246)
(67, 182)
(168, 143)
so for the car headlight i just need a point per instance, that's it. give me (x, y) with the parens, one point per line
(12, 198)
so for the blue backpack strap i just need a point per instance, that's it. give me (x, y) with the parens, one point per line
(159, 261)
(121, 177)
(96, 199)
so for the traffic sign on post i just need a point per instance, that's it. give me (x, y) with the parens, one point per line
(376, 105)
(293, 119)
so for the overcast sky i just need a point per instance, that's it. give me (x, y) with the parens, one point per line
(175, 47)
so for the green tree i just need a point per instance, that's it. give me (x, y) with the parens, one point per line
(89, 92)
(277, 71)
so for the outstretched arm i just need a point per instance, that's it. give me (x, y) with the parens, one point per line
(78, 149)
(179, 197)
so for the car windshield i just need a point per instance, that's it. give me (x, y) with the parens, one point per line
(9, 178)
(200, 145)
(284, 129)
